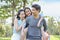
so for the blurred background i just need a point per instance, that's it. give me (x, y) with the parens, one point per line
(9, 8)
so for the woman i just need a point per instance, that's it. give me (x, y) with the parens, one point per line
(42, 16)
(27, 13)
(34, 32)
(45, 35)
(19, 25)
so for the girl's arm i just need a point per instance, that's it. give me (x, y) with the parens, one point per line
(16, 25)
(42, 16)
(39, 21)
(45, 25)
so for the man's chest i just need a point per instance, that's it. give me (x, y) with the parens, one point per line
(33, 22)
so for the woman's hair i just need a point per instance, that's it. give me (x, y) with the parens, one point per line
(19, 13)
(27, 8)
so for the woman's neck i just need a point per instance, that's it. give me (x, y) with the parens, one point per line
(28, 15)
(22, 19)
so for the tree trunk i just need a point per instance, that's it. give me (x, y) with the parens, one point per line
(24, 3)
(12, 18)
(13, 6)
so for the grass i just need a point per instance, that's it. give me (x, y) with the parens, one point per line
(5, 38)
(55, 37)
(52, 37)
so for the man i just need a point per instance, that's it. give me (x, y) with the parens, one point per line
(34, 32)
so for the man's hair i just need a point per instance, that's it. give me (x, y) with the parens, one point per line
(37, 7)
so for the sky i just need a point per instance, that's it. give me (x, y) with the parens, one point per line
(51, 0)
(51, 7)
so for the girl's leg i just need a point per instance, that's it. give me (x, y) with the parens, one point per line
(42, 30)
(45, 36)
(22, 34)
(25, 31)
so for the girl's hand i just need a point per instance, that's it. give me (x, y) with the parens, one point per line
(24, 20)
(20, 27)
(38, 24)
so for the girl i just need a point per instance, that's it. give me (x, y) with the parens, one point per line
(45, 35)
(19, 24)
(27, 13)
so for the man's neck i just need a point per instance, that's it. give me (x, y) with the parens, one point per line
(36, 16)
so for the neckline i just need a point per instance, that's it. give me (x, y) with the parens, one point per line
(36, 18)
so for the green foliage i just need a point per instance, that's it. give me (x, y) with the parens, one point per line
(4, 13)
(5, 30)
(53, 26)
(2, 30)
(8, 31)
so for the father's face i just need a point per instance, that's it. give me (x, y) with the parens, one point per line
(34, 11)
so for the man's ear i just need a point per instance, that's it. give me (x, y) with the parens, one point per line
(39, 11)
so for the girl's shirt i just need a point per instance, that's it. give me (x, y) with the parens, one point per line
(19, 23)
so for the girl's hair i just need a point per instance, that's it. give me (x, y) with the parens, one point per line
(19, 13)
(27, 8)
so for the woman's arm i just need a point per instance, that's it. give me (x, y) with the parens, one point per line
(16, 25)
(39, 22)
(44, 25)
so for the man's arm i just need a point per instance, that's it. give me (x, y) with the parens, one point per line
(27, 22)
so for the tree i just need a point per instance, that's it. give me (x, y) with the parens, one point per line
(14, 3)
(12, 6)
(53, 26)
(4, 14)
(2, 30)
(58, 28)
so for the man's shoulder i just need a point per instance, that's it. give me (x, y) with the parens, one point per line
(29, 17)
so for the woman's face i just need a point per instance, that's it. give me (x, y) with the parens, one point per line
(28, 12)
(22, 15)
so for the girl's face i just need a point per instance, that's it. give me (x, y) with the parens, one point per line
(28, 12)
(22, 15)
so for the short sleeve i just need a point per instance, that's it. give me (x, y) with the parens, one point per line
(27, 22)
(44, 25)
